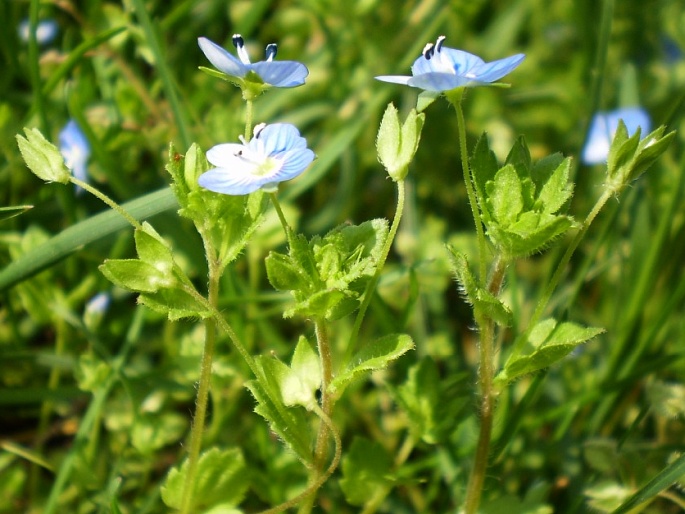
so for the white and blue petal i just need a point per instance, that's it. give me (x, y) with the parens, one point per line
(396, 79)
(221, 59)
(224, 155)
(438, 81)
(281, 73)
(492, 71)
(234, 181)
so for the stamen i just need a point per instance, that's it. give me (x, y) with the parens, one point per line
(428, 51)
(238, 40)
(271, 50)
(239, 43)
(258, 130)
(439, 42)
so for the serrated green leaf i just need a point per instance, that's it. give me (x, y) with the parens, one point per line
(289, 424)
(134, 275)
(376, 355)
(548, 343)
(483, 168)
(221, 479)
(519, 155)
(175, 303)
(152, 249)
(284, 274)
(505, 197)
(419, 396)
(556, 190)
(306, 366)
(366, 468)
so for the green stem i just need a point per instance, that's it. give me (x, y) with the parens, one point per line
(455, 97)
(321, 448)
(284, 223)
(249, 113)
(106, 199)
(474, 489)
(371, 286)
(197, 430)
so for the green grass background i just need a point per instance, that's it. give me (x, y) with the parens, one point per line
(92, 410)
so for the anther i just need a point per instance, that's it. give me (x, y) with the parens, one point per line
(258, 130)
(238, 41)
(439, 42)
(428, 51)
(271, 50)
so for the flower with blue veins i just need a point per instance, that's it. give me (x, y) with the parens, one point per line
(603, 128)
(275, 153)
(253, 78)
(75, 149)
(441, 69)
(46, 31)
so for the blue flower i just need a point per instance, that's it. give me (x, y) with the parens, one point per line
(441, 69)
(603, 128)
(261, 74)
(276, 153)
(46, 31)
(75, 149)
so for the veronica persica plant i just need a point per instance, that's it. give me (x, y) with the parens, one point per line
(253, 79)
(75, 149)
(441, 69)
(275, 153)
(603, 128)
(46, 31)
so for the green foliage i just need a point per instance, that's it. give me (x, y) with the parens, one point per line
(521, 200)
(273, 388)
(162, 285)
(396, 144)
(374, 356)
(432, 404)
(548, 342)
(327, 275)
(221, 481)
(366, 469)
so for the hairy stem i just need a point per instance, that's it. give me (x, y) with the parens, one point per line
(202, 391)
(455, 98)
(488, 395)
(371, 286)
(321, 448)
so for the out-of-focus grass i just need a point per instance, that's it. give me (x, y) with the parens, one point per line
(128, 73)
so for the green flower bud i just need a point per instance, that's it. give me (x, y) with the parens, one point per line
(42, 157)
(397, 145)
